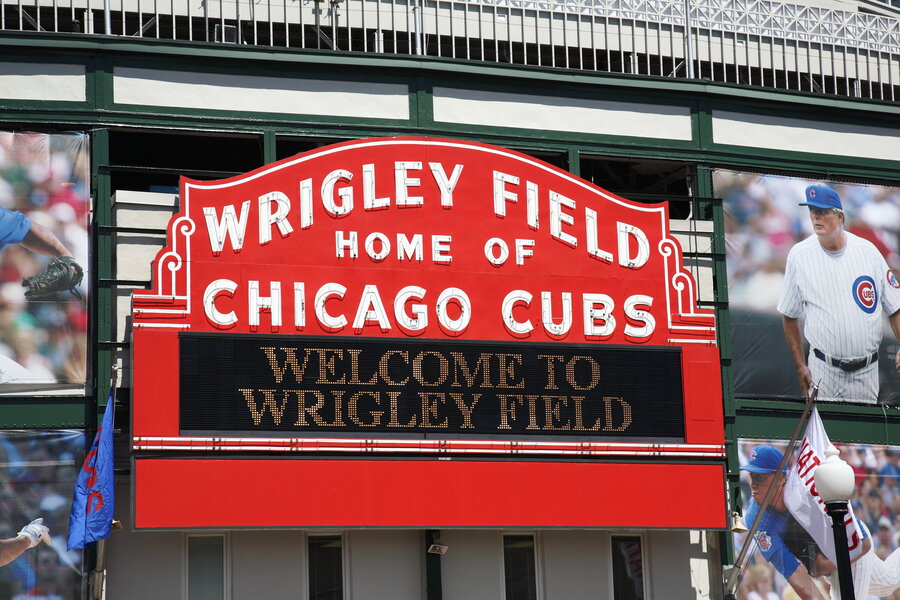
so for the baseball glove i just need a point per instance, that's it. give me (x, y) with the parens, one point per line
(62, 274)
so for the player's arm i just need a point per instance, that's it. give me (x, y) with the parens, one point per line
(795, 345)
(41, 240)
(30, 536)
(12, 549)
(804, 585)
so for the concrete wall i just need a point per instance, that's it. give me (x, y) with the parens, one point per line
(389, 564)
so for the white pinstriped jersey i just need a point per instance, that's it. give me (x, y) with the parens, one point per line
(843, 295)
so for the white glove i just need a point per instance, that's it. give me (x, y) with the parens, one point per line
(36, 531)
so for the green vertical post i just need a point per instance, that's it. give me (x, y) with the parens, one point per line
(574, 160)
(102, 308)
(433, 587)
(270, 149)
(720, 282)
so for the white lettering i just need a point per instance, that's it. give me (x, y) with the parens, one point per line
(267, 218)
(598, 307)
(643, 246)
(496, 251)
(440, 248)
(558, 217)
(501, 194)
(449, 325)
(550, 326)
(419, 319)
(219, 319)
(370, 202)
(370, 309)
(517, 328)
(380, 255)
(228, 226)
(446, 185)
(410, 249)
(590, 223)
(346, 193)
(634, 310)
(351, 244)
(256, 303)
(523, 250)
(325, 293)
(404, 182)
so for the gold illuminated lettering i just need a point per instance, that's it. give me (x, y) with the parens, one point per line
(461, 367)
(626, 413)
(269, 402)
(552, 412)
(508, 408)
(257, 411)
(466, 409)
(393, 399)
(354, 370)
(384, 369)
(338, 408)
(532, 411)
(290, 362)
(326, 365)
(595, 372)
(551, 368)
(311, 410)
(579, 416)
(508, 364)
(353, 409)
(443, 368)
(430, 402)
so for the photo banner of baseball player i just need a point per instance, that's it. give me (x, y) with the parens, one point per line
(793, 538)
(44, 209)
(802, 500)
(37, 473)
(839, 305)
(418, 296)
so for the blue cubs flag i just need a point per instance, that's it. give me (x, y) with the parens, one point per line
(92, 502)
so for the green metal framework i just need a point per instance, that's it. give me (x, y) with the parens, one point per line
(100, 115)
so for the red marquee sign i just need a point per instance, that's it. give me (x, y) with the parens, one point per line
(424, 297)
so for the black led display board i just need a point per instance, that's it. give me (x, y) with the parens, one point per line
(276, 385)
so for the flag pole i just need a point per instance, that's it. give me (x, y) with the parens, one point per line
(733, 573)
(99, 574)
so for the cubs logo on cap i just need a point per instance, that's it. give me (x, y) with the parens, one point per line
(865, 294)
(822, 196)
(763, 459)
(892, 280)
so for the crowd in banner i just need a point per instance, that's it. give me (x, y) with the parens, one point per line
(38, 470)
(763, 222)
(876, 502)
(44, 176)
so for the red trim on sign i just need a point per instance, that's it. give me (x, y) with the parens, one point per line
(395, 445)
(222, 493)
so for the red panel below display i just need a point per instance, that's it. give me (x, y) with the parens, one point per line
(227, 493)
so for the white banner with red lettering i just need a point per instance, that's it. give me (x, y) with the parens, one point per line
(803, 501)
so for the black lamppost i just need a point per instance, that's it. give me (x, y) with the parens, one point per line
(834, 481)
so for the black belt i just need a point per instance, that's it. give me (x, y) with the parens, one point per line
(847, 364)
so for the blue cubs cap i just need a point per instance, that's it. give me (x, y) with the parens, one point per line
(822, 196)
(763, 459)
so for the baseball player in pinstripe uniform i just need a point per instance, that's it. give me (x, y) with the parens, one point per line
(842, 284)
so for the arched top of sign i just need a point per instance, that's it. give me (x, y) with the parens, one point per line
(421, 237)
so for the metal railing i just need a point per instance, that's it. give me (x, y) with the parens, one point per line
(747, 42)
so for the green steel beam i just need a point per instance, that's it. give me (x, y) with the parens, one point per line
(771, 419)
(44, 413)
(103, 310)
